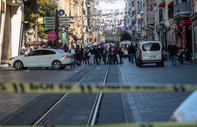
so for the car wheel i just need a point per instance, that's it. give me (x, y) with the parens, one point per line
(18, 65)
(56, 65)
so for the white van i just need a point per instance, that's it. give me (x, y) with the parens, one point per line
(149, 52)
(124, 45)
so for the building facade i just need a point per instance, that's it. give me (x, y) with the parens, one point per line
(182, 12)
(164, 28)
(80, 13)
(132, 18)
(194, 29)
(11, 26)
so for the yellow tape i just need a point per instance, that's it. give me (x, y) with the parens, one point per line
(59, 88)
(163, 124)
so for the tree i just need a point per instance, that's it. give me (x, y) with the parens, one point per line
(44, 8)
(126, 36)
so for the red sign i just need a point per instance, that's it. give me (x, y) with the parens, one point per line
(51, 36)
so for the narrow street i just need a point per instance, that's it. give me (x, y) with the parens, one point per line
(25, 109)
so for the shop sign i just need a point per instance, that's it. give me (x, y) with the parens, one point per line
(51, 36)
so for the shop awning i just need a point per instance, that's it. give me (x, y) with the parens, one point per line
(171, 3)
(163, 4)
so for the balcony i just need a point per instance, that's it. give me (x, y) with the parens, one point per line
(182, 10)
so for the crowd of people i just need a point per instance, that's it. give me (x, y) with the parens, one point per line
(110, 54)
(97, 54)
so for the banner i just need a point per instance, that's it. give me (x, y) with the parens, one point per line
(64, 38)
(51, 36)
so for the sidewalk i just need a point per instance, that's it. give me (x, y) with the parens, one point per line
(3, 66)
(156, 107)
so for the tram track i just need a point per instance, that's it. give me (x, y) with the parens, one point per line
(94, 110)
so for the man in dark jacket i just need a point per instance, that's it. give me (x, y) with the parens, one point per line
(173, 52)
(96, 52)
(131, 52)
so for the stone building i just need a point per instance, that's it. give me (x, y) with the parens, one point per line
(11, 26)
(80, 13)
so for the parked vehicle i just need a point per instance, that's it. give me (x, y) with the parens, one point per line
(149, 52)
(55, 58)
(124, 47)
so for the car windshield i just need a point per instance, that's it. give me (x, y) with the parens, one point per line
(151, 46)
(102, 63)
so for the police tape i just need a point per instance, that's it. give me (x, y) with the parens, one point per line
(163, 124)
(63, 88)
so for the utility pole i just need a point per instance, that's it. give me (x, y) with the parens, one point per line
(56, 26)
(36, 27)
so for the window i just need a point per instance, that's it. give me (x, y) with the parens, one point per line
(170, 11)
(133, 4)
(48, 52)
(151, 47)
(138, 5)
(160, 15)
(35, 53)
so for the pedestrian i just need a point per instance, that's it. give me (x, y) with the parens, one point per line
(173, 52)
(72, 51)
(91, 54)
(97, 54)
(82, 54)
(102, 53)
(131, 52)
(169, 46)
(87, 55)
(78, 55)
(115, 52)
(110, 55)
(65, 48)
(22, 52)
(120, 53)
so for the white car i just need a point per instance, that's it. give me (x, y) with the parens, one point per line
(149, 52)
(55, 58)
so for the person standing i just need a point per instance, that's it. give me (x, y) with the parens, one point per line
(173, 52)
(169, 46)
(131, 52)
(120, 53)
(97, 54)
(78, 55)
